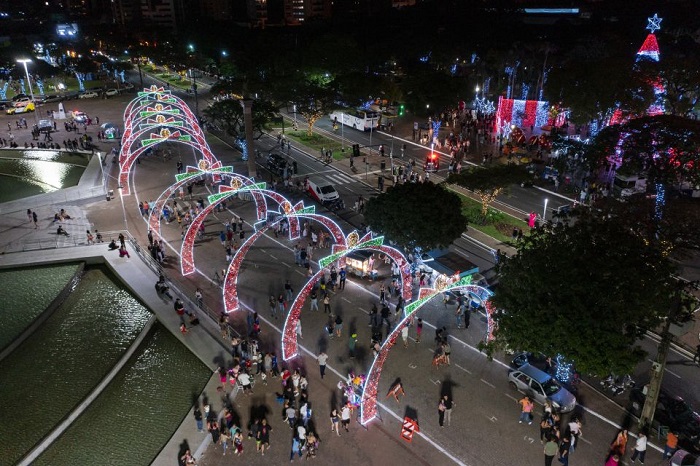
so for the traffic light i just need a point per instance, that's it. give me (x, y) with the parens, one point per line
(355, 150)
(401, 109)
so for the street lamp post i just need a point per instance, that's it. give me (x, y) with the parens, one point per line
(194, 88)
(544, 212)
(24, 61)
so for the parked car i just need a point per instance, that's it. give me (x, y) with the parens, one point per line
(675, 413)
(276, 164)
(541, 387)
(45, 125)
(21, 102)
(19, 97)
(51, 98)
(29, 107)
(88, 95)
(111, 92)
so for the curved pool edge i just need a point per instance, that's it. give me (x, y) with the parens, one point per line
(46, 442)
(46, 313)
(136, 276)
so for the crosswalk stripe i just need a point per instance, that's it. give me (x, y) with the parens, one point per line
(340, 179)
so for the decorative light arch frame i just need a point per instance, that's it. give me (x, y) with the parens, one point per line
(161, 110)
(353, 243)
(368, 407)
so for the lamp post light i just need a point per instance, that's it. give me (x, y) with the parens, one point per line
(121, 197)
(544, 212)
(24, 61)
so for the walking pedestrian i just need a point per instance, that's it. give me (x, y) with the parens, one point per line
(288, 290)
(613, 460)
(526, 407)
(29, 215)
(198, 418)
(343, 276)
(419, 329)
(298, 329)
(671, 444)
(335, 421)
(619, 446)
(441, 412)
(449, 404)
(404, 336)
(564, 451)
(280, 303)
(322, 359)
(338, 326)
(550, 451)
(36, 225)
(238, 442)
(327, 304)
(352, 343)
(345, 417)
(313, 296)
(696, 358)
(640, 448)
(263, 437)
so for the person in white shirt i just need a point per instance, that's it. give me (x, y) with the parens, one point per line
(640, 448)
(244, 380)
(345, 417)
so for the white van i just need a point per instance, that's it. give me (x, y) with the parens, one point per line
(322, 192)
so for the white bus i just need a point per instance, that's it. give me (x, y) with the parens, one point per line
(362, 120)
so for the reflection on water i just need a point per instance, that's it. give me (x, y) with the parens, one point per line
(29, 291)
(28, 172)
(137, 414)
(55, 368)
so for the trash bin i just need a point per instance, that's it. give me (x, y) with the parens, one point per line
(110, 194)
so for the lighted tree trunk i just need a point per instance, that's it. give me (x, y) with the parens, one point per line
(487, 197)
(311, 119)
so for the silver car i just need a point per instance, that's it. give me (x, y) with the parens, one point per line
(541, 386)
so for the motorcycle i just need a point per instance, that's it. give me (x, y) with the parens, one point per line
(617, 385)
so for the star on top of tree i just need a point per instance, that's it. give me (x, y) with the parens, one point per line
(654, 23)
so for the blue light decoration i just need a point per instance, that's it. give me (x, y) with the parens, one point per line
(654, 23)
(121, 76)
(594, 128)
(660, 201)
(525, 89)
(436, 129)
(487, 85)
(425, 58)
(545, 75)
(40, 85)
(564, 369)
(3, 91)
(21, 84)
(366, 105)
(80, 81)
(453, 69)
(474, 57)
(509, 71)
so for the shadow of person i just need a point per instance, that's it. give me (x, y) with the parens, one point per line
(447, 387)
(411, 412)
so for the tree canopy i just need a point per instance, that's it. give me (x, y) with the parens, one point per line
(587, 291)
(666, 147)
(424, 215)
(229, 113)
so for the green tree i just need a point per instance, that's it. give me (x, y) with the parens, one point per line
(587, 291)
(229, 113)
(665, 147)
(489, 183)
(423, 215)
(314, 101)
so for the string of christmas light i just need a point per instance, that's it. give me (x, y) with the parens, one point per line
(290, 348)
(230, 291)
(564, 369)
(166, 117)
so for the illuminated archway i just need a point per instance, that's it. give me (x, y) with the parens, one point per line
(368, 410)
(340, 251)
(167, 118)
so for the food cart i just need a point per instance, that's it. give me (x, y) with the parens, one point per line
(358, 264)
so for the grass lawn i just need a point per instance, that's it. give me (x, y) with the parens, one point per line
(317, 142)
(498, 224)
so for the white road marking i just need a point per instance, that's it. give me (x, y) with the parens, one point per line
(465, 370)
(488, 383)
(435, 382)
(511, 397)
(412, 366)
(346, 300)
(274, 257)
